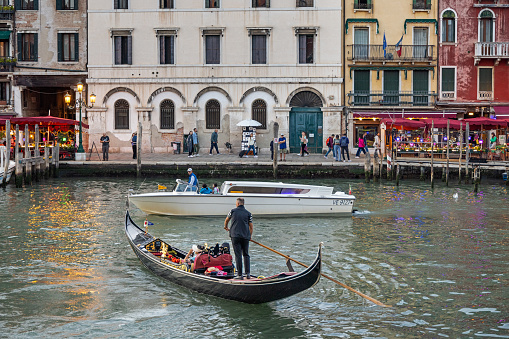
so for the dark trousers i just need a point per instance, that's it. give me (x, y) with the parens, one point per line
(344, 149)
(241, 249)
(134, 151)
(359, 150)
(302, 149)
(212, 146)
(191, 148)
(106, 149)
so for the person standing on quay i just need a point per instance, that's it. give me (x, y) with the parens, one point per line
(377, 145)
(303, 145)
(240, 233)
(105, 140)
(134, 140)
(190, 144)
(251, 145)
(282, 147)
(213, 142)
(337, 147)
(343, 143)
(330, 144)
(196, 144)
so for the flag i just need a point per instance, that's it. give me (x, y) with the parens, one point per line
(350, 190)
(161, 187)
(148, 223)
(398, 46)
(385, 47)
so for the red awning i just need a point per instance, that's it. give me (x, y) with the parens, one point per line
(400, 123)
(501, 111)
(394, 115)
(485, 123)
(43, 121)
(442, 123)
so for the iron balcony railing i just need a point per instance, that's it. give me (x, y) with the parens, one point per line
(492, 49)
(421, 4)
(410, 53)
(362, 4)
(7, 64)
(6, 13)
(391, 98)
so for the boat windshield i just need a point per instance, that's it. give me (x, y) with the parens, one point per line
(183, 186)
(267, 190)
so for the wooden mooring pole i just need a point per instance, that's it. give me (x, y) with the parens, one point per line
(447, 150)
(7, 151)
(376, 167)
(467, 152)
(367, 167)
(37, 154)
(275, 149)
(432, 144)
(28, 168)
(17, 159)
(138, 150)
(461, 151)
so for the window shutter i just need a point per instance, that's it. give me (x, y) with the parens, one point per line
(76, 46)
(17, 5)
(428, 4)
(162, 48)
(76, 4)
(118, 49)
(302, 49)
(172, 49)
(448, 79)
(129, 50)
(60, 6)
(356, 4)
(36, 46)
(253, 4)
(115, 4)
(267, 3)
(60, 44)
(36, 5)
(485, 79)
(20, 47)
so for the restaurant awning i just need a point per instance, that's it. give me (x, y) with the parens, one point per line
(4, 35)
(501, 111)
(44, 121)
(400, 123)
(485, 123)
(442, 123)
(394, 115)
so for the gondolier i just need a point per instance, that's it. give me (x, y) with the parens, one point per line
(240, 233)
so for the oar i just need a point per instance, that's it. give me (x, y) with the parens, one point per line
(325, 276)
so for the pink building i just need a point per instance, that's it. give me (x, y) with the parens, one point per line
(474, 56)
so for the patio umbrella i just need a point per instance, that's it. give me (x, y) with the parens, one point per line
(249, 123)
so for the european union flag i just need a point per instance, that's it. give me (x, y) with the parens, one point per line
(385, 47)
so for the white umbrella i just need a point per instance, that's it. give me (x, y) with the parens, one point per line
(249, 123)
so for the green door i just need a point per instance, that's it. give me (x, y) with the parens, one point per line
(391, 88)
(361, 87)
(420, 88)
(309, 120)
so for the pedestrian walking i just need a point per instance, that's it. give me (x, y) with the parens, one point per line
(282, 147)
(337, 147)
(134, 140)
(190, 147)
(330, 144)
(196, 144)
(213, 142)
(303, 145)
(105, 141)
(377, 145)
(343, 143)
(240, 233)
(361, 147)
(365, 137)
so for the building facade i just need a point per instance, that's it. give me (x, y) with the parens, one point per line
(7, 58)
(474, 57)
(391, 63)
(174, 65)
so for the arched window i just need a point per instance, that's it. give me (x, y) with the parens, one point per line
(448, 26)
(167, 114)
(213, 114)
(486, 26)
(259, 113)
(121, 114)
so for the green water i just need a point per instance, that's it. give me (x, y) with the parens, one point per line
(442, 262)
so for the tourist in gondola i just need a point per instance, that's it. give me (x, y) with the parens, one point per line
(240, 232)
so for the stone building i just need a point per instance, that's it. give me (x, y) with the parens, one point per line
(174, 65)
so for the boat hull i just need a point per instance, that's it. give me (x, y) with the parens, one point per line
(247, 291)
(182, 204)
(10, 170)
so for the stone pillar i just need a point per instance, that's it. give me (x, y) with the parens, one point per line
(145, 118)
(235, 132)
(190, 121)
(283, 119)
(332, 122)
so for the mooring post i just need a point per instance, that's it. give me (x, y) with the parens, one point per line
(28, 155)
(477, 178)
(138, 150)
(275, 149)
(7, 151)
(507, 171)
(397, 174)
(56, 156)
(432, 146)
(367, 168)
(467, 155)
(447, 150)
(423, 174)
(461, 151)
(37, 154)
(46, 162)
(376, 167)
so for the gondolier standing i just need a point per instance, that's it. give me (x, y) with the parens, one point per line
(240, 232)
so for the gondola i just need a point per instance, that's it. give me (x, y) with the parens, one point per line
(251, 291)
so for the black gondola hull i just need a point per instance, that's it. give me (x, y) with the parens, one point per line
(252, 292)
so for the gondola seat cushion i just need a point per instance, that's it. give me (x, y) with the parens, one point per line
(206, 260)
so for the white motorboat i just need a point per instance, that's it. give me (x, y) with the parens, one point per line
(261, 198)
(10, 168)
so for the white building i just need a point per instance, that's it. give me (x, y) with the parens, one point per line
(178, 64)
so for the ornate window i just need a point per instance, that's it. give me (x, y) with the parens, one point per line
(486, 26)
(213, 114)
(259, 113)
(167, 114)
(448, 26)
(121, 114)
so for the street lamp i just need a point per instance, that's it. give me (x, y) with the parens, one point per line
(79, 103)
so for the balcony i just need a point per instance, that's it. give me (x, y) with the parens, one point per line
(485, 95)
(421, 5)
(491, 50)
(6, 13)
(392, 98)
(7, 64)
(448, 95)
(362, 5)
(407, 53)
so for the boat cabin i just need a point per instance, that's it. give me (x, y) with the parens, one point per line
(279, 188)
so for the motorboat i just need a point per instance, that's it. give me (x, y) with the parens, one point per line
(261, 198)
(10, 168)
(154, 253)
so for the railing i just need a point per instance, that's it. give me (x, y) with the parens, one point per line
(485, 95)
(7, 14)
(359, 4)
(421, 4)
(7, 64)
(413, 53)
(492, 49)
(448, 95)
(392, 98)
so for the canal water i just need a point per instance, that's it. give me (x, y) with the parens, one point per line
(439, 257)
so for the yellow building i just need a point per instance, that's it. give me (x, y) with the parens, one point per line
(390, 62)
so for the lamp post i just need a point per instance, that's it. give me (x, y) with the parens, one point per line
(80, 103)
